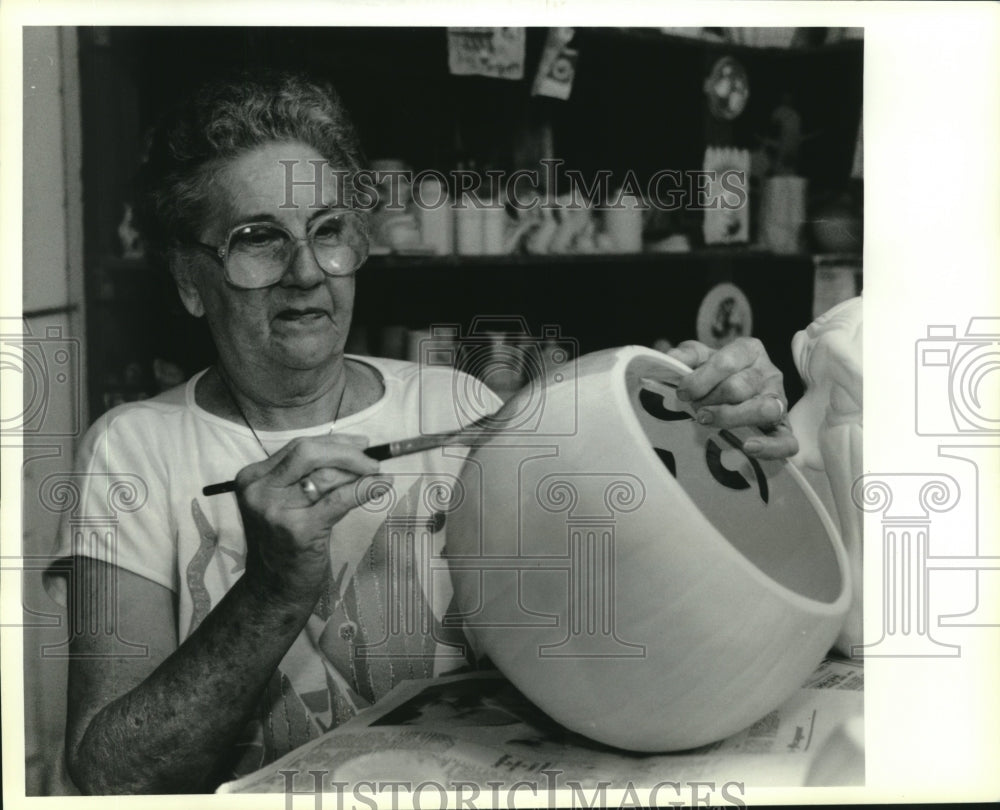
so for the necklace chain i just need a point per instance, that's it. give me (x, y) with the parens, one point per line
(242, 413)
(326, 597)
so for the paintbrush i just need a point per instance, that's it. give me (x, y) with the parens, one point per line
(469, 435)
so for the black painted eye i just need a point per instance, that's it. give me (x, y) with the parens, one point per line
(668, 460)
(435, 522)
(652, 403)
(732, 479)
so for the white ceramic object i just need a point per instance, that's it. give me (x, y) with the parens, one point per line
(623, 222)
(782, 213)
(437, 228)
(828, 423)
(649, 610)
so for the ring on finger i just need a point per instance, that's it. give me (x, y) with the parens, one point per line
(310, 489)
(782, 411)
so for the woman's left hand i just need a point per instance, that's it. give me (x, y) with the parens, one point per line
(735, 386)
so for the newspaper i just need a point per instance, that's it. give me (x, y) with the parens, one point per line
(477, 728)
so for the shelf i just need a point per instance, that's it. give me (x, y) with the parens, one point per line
(598, 300)
(118, 267)
(139, 273)
(655, 35)
(560, 261)
(733, 256)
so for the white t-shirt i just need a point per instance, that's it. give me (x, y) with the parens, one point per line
(140, 472)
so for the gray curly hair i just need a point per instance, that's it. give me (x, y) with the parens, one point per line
(221, 120)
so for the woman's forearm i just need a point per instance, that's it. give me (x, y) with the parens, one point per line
(176, 730)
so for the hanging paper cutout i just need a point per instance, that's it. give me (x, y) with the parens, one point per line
(557, 67)
(727, 219)
(494, 52)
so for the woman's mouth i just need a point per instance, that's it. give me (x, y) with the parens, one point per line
(300, 315)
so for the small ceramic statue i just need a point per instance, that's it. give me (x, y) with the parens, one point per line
(128, 236)
(827, 421)
(394, 221)
(574, 231)
(786, 137)
(539, 227)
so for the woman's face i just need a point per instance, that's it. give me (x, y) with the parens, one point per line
(301, 322)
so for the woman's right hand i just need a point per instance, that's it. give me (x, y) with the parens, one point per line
(288, 529)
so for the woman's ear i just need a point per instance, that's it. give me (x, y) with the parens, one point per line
(190, 296)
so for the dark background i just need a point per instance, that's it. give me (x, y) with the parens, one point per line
(637, 103)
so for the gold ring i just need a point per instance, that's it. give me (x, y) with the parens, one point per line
(309, 488)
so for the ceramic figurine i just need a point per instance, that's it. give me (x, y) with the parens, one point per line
(128, 236)
(572, 226)
(541, 229)
(827, 421)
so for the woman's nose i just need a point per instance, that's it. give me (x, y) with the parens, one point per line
(302, 269)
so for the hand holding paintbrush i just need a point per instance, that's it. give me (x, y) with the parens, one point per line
(469, 435)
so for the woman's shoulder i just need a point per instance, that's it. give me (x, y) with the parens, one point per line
(440, 396)
(131, 416)
(411, 372)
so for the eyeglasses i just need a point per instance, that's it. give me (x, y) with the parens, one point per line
(257, 254)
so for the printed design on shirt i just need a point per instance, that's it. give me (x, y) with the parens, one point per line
(289, 722)
(384, 629)
(331, 594)
(284, 723)
(379, 629)
(344, 707)
(201, 600)
(375, 630)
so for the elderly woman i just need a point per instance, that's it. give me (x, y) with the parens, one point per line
(231, 628)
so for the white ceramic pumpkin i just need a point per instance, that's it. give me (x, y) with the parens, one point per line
(635, 574)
